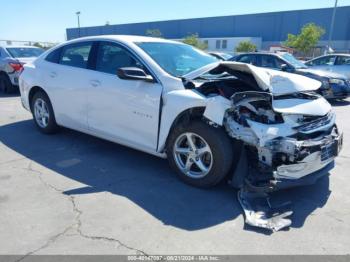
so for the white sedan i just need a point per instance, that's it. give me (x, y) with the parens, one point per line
(212, 120)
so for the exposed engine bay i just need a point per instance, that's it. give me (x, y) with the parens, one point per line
(287, 139)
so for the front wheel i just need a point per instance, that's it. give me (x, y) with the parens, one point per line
(200, 154)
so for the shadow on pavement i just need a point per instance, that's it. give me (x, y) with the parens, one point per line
(12, 94)
(143, 179)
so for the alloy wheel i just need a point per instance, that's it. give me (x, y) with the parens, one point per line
(41, 113)
(193, 155)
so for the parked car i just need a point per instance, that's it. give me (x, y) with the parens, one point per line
(223, 56)
(171, 100)
(334, 86)
(12, 59)
(338, 63)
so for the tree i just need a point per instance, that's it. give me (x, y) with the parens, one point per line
(307, 39)
(39, 45)
(154, 33)
(193, 40)
(245, 46)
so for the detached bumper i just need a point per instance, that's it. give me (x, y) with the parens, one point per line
(312, 167)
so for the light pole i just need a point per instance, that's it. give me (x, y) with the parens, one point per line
(332, 25)
(78, 16)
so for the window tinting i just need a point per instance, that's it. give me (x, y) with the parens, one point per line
(343, 60)
(268, 61)
(76, 55)
(22, 52)
(54, 56)
(248, 59)
(328, 60)
(111, 57)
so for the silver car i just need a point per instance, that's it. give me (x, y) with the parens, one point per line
(12, 59)
(338, 63)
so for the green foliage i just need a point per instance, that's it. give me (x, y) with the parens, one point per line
(245, 46)
(39, 45)
(307, 39)
(154, 33)
(193, 40)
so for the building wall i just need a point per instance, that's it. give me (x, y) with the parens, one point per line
(270, 27)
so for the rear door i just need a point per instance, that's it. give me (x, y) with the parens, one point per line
(66, 77)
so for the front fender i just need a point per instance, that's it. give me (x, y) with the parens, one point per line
(178, 101)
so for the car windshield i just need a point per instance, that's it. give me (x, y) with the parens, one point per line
(293, 61)
(20, 52)
(176, 59)
(226, 56)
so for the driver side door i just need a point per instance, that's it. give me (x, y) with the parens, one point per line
(124, 111)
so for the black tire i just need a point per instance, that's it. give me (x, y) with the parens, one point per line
(51, 126)
(221, 146)
(5, 84)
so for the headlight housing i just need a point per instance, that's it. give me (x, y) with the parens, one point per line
(337, 81)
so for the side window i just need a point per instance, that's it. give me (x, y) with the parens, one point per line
(268, 61)
(343, 60)
(54, 56)
(248, 59)
(111, 57)
(279, 63)
(327, 60)
(76, 55)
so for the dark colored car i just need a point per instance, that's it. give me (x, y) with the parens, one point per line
(221, 55)
(334, 86)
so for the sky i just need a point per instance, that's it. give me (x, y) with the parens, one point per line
(47, 20)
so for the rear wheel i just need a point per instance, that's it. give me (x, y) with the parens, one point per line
(200, 154)
(5, 84)
(43, 114)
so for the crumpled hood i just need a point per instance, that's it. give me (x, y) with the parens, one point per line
(322, 73)
(277, 82)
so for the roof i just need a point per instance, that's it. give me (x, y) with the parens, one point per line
(18, 46)
(124, 38)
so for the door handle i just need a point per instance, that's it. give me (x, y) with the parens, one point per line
(95, 83)
(53, 74)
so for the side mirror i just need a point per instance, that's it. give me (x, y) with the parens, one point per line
(134, 73)
(284, 67)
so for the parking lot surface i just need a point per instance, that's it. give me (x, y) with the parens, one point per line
(71, 193)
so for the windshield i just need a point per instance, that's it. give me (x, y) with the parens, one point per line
(293, 61)
(226, 56)
(176, 59)
(20, 52)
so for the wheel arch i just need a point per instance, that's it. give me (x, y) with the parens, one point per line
(32, 92)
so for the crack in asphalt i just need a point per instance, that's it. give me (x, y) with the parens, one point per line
(76, 225)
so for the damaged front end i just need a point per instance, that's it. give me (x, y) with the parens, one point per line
(287, 131)
(281, 149)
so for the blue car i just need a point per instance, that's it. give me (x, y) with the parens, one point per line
(334, 85)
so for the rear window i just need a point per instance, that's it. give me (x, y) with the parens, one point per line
(76, 55)
(21, 52)
(54, 56)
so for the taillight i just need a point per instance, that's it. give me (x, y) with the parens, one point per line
(17, 67)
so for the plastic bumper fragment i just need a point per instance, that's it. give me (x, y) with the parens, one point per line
(259, 213)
